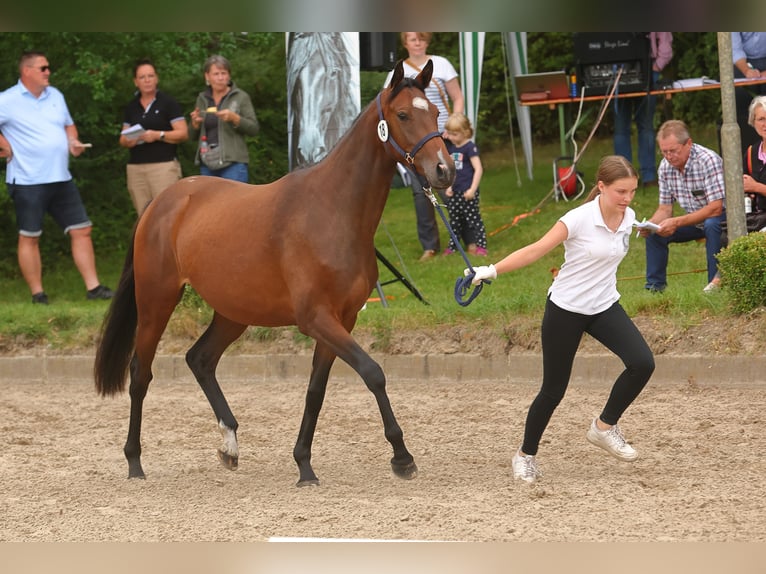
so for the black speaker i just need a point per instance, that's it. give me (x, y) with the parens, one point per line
(377, 50)
(599, 55)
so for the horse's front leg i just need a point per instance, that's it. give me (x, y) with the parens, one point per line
(349, 350)
(402, 463)
(320, 371)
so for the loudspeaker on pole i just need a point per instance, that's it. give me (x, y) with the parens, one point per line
(377, 50)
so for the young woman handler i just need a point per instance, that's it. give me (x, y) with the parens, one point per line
(583, 298)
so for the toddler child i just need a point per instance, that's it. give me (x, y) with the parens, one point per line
(463, 195)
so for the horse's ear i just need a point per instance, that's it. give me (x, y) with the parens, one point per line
(425, 75)
(398, 74)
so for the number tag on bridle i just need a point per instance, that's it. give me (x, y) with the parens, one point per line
(383, 131)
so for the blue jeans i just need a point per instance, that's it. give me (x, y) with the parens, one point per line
(235, 171)
(657, 250)
(642, 110)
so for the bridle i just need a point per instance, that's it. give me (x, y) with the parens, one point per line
(409, 156)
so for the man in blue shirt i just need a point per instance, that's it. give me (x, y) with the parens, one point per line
(37, 134)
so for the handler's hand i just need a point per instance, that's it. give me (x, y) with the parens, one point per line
(482, 272)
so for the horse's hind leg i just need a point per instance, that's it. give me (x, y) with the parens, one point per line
(139, 384)
(320, 371)
(203, 359)
(148, 332)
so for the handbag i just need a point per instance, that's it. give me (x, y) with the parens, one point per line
(213, 158)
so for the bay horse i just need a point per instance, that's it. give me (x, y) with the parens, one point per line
(297, 251)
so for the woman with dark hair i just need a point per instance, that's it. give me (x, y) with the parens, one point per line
(584, 299)
(153, 126)
(223, 115)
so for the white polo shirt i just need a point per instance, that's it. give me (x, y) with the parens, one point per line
(35, 129)
(587, 280)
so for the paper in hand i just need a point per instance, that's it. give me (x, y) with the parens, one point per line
(133, 132)
(644, 224)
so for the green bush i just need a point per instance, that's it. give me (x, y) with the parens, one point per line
(743, 271)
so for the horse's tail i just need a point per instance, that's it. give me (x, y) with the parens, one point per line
(118, 333)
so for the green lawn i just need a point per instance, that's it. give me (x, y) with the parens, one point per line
(505, 196)
(72, 322)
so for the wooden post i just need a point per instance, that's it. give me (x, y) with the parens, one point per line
(731, 143)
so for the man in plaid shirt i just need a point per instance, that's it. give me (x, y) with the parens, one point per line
(692, 176)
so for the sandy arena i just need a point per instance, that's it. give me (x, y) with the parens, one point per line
(699, 476)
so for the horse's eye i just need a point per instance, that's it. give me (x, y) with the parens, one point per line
(403, 116)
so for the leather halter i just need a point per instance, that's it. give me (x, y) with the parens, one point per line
(408, 156)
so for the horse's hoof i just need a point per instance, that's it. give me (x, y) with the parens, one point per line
(230, 462)
(135, 470)
(406, 471)
(310, 482)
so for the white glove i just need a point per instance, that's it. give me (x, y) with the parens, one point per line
(482, 272)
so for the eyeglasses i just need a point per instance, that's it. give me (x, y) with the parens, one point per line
(41, 68)
(673, 152)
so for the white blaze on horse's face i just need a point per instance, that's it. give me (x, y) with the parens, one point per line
(420, 103)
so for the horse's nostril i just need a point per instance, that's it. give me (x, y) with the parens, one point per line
(443, 171)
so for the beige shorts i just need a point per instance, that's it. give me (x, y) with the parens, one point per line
(147, 180)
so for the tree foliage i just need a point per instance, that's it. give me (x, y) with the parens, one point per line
(95, 73)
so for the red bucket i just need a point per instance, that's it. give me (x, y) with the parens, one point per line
(567, 177)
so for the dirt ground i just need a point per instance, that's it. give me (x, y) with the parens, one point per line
(699, 476)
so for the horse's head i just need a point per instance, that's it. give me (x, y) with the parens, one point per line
(408, 124)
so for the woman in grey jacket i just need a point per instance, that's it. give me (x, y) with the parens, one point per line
(223, 115)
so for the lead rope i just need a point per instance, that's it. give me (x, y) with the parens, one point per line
(463, 283)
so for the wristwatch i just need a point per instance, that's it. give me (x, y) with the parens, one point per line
(162, 136)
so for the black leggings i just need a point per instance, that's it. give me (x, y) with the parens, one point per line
(562, 332)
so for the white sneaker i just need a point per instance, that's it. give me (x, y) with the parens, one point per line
(525, 467)
(612, 442)
(710, 287)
